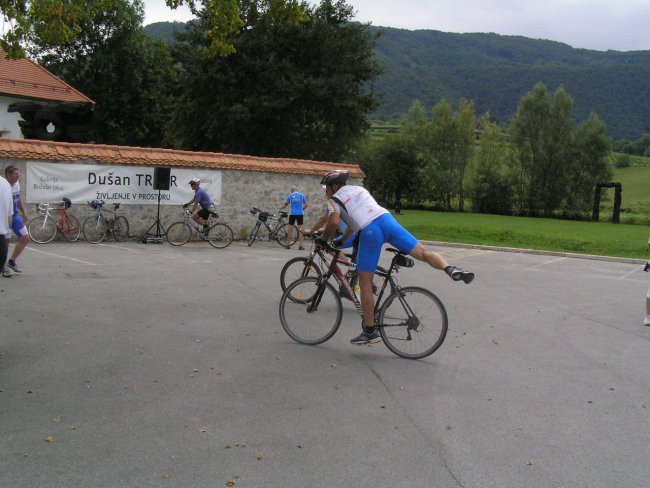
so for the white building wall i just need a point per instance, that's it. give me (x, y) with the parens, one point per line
(9, 121)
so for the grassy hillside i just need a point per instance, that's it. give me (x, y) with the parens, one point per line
(495, 71)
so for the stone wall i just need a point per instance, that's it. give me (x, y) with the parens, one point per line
(240, 191)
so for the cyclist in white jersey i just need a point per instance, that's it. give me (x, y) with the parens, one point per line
(376, 226)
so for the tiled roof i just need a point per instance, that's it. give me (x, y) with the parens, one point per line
(26, 79)
(103, 154)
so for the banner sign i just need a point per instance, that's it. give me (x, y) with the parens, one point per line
(81, 183)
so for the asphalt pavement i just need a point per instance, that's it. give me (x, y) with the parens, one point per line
(145, 365)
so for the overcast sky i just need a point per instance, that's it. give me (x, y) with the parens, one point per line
(622, 25)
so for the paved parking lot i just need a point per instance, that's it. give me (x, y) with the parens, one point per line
(133, 365)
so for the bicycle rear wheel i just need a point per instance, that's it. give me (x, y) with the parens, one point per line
(297, 268)
(283, 232)
(95, 229)
(220, 235)
(420, 331)
(313, 320)
(120, 228)
(42, 229)
(71, 228)
(179, 233)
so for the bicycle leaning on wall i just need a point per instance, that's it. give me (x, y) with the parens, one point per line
(43, 228)
(279, 232)
(98, 227)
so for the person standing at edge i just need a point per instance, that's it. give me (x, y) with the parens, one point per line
(298, 203)
(12, 174)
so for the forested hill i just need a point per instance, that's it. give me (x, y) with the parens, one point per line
(495, 71)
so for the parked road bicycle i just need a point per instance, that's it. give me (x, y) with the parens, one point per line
(318, 260)
(105, 222)
(412, 321)
(43, 228)
(218, 234)
(279, 232)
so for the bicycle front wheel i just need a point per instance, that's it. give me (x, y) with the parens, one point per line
(120, 229)
(413, 322)
(283, 232)
(297, 268)
(179, 233)
(71, 228)
(42, 229)
(316, 316)
(95, 229)
(253, 235)
(220, 236)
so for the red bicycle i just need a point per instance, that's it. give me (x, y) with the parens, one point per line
(43, 228)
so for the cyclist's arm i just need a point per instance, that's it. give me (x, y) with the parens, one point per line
(331, 226)
(320, 223)
(22, 209)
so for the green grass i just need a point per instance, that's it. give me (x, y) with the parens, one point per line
(599, 238)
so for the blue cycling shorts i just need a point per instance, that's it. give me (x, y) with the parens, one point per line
(18, 226)
(381, 230)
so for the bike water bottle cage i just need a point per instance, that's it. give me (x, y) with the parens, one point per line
(66, 202)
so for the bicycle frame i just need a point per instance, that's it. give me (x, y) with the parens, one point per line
(60, 221)
(341, 278)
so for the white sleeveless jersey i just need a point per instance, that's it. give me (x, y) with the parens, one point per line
(359, 207)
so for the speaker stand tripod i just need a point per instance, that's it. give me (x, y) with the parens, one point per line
(157, 238)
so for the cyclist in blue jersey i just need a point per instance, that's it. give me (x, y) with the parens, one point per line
(376, 226)
(297, 203)
(12, 174)
(203, 200)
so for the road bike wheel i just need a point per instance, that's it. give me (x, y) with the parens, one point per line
(420, 332)
(120, 229)
(220, 235)
(71, 228)
(253, 235)
(283, 232)
(42, 229)
(179, 233)
(297, 268)
(304, 324)
(95, 229)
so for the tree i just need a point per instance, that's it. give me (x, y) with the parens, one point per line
(290, 89)
(58, 22)
(589, 165)
(542, 136)
(490, 189)
(448, 145)
(129, 76)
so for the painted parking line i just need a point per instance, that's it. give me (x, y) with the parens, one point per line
(454, 254)
(550, 261)
(40, 251)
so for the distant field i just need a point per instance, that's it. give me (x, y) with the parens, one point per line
(599, 238)
(635, 204)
